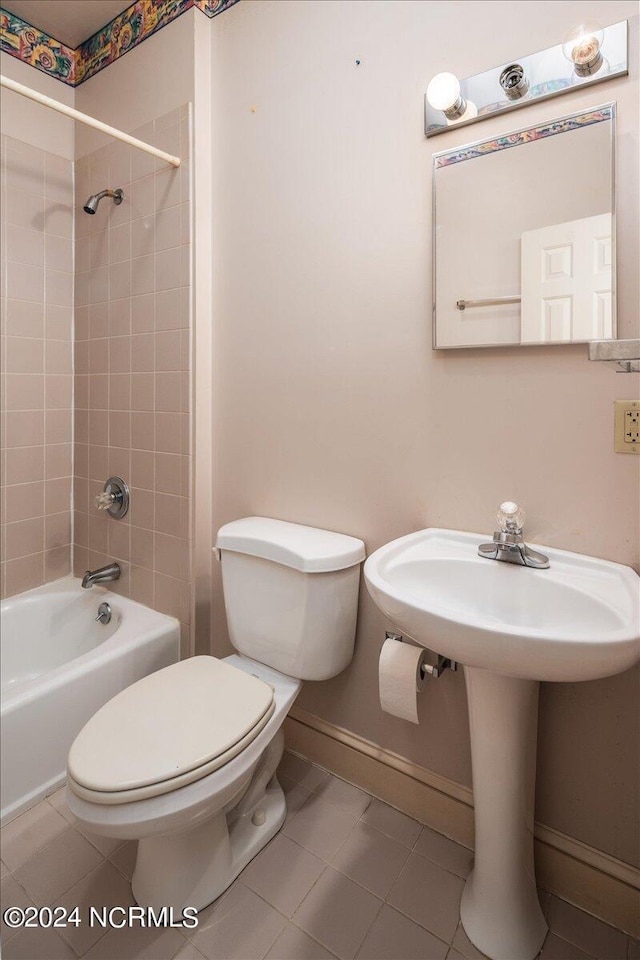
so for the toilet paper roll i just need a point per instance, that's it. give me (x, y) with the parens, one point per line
(400, 678)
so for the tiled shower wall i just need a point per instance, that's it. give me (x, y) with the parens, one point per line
(132, 333)
(36, 327)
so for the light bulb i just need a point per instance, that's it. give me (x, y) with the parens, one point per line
(443, 93)
(582, 48)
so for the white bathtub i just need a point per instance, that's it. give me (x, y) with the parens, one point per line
(58, 666)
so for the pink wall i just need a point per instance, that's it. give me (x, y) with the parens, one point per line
(331, 409)
(36, 399)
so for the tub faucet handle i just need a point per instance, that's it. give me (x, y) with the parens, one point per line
(104, 500)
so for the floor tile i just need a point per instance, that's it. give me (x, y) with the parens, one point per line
(320, 827)
(282, 874)
(293, 766)
(396, 825)
(633, 952)
(105, 845)
(344, 795)
(294, 795)
(302, 771)
(37, 943)
(21, 838)
(137, 943)
(12, 895)
(393, 935)
(4, 870)
(124, 858)
(59, 803)
(586, 932)
(244, 929)
(454, 955)
(189, 952)
(337, 913)
(430, 895)
(464, 946)
(446, 853)
(51, 872)
(295, 944)
(554, 948)
(371, 859)
(103, 887)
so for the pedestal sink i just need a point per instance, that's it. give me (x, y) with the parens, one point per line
(510, 626)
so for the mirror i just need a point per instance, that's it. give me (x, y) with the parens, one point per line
(524, 236)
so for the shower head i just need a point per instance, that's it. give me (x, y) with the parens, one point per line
(92, 203)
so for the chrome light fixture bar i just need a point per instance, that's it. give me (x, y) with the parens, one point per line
(589, 54)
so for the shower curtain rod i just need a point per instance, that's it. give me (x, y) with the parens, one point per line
(89, 121)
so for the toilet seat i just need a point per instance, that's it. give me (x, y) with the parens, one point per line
(169, 729)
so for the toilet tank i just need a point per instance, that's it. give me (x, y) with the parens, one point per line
(291, 594)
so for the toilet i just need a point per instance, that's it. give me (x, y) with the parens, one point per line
(184, 761)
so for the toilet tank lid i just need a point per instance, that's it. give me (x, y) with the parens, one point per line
(308, 549)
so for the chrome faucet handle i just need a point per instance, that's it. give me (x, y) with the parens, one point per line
(510, 517)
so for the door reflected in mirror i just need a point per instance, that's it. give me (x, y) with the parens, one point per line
(524, 236)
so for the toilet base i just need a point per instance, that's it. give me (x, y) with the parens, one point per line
(193, 868)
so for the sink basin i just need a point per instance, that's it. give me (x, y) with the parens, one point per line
(578, 620)
(510, 626)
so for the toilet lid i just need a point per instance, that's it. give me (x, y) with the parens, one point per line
(169, 724)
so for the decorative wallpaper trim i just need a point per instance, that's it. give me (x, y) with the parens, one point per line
(21, 40)
(485, 147)
(142, 19)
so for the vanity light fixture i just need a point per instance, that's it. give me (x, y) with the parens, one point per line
(583, 48)
(590, 54)
(443, 93)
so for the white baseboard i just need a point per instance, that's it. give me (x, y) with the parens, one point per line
(580, 874)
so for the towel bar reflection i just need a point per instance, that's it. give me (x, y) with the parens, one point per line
(497, 301)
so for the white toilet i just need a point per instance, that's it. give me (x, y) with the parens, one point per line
(184, 760)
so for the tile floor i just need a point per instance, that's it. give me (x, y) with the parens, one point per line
(347, 877)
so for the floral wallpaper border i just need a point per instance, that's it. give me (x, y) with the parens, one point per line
(519, 137)
(72, 66)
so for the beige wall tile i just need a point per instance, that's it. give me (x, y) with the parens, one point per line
(24, 245)
(58, 391)
(24, 355)
(24, 428)
(23, 464)
(57, 530)
(23, 501)
(143, 469)
(58, 357)
(57, 563)
(57, 495)
(142, 391)
(24, 318)
(58, 460)
(143, 313)
(24, 391)
(142, 352)
(24, 537)
(23, 574)
(57, 426)
(120, 316)
(142, 430)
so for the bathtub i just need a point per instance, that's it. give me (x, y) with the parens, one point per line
(58, 666)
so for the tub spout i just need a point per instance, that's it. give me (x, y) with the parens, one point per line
(102, 575)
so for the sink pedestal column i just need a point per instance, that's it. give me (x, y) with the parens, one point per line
(500, 911)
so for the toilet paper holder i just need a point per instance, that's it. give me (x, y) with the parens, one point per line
(428, 669)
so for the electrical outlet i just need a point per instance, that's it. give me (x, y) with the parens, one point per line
(627, 432)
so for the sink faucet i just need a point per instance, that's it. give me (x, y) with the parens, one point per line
(508, 543)
(102, 575)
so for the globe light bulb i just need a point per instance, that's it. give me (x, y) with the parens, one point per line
(582, 48)
(443, 93)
